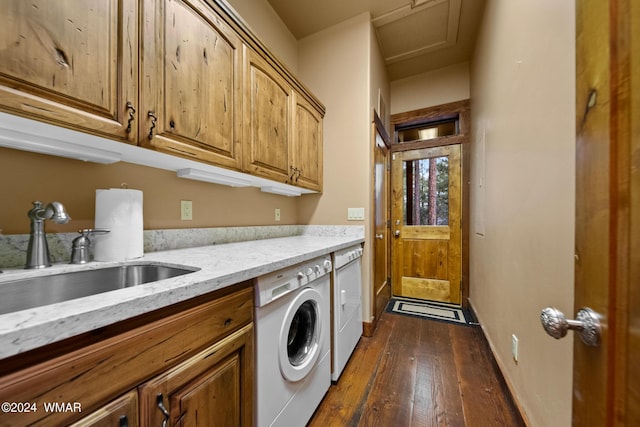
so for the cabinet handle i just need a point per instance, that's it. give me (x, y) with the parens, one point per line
(295, 174)
(154, 119)
(160, 404)
(132, 112)
(124, 422)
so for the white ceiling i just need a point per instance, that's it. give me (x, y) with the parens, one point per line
(415, 36)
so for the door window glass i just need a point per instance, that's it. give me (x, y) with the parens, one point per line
(427, 131)
(302, 333)
(426, 191)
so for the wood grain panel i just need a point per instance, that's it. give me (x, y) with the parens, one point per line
(432, 232)
(427, 259)
(307, 145)
(72, 63)
(211, 388)
(430, 289)
(193, 81)
(268, 113)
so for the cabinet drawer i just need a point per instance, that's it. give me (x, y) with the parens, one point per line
(121, 412)
(98, 373)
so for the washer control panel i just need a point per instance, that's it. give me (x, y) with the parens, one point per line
(272, 286)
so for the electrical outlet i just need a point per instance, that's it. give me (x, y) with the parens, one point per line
(277, 214)
(514, 347)
(186, 210)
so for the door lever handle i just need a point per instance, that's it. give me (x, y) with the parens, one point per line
(586, 324)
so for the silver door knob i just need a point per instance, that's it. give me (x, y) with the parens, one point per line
(379, 236)
(397, 233)
(586, 324)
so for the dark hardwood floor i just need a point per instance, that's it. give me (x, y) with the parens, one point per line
(416, 372)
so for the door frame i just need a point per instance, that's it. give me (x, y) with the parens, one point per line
(379, 296)
(460, 110)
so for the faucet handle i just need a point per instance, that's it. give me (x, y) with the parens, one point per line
(86, 232)
(80, 245)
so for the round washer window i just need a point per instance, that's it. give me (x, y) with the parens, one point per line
(302, 333)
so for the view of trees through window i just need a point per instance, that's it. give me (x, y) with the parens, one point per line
(426, 191)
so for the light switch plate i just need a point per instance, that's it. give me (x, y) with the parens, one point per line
(355, 214)
(186, 210)
(277, 215)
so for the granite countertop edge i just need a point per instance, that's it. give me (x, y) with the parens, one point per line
(218, 266)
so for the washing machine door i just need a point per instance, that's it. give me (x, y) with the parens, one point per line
(301, 335)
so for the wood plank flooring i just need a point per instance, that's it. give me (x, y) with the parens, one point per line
(416, 372)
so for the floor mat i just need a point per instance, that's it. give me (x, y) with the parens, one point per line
(441, 312)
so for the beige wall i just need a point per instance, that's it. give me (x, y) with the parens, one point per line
(436, 87)
(343, 67)
(267, 25)
(26, 177)
(522, 199)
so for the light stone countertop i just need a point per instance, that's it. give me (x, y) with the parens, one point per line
(220, 266)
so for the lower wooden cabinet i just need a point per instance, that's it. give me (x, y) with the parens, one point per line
(192, 359)
(211, 388)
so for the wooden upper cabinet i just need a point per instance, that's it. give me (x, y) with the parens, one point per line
(268, 120)
(191, 82)
(72, 63)
(307, 146)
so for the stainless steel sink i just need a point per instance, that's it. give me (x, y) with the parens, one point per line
(43, 290)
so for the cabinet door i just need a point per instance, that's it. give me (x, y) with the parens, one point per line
(307, 146)
(122, 412)
(73, 63)
(215, 387)
(191, 83)
(268, 118)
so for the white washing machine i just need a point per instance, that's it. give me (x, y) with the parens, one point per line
(293, 344)
(347, 306)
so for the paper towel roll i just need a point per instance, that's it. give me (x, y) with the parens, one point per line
(120, 211)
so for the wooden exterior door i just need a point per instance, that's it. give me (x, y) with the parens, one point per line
(426, 224)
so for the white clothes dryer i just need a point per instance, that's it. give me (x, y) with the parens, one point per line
(347, 307)
(292, 324)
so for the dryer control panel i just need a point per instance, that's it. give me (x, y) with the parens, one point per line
(345, 256)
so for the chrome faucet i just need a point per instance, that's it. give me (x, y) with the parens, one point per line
(38, 249)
